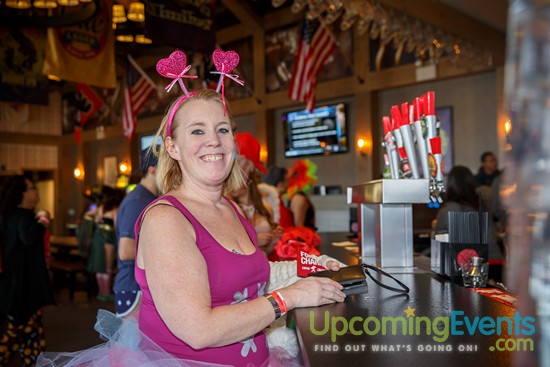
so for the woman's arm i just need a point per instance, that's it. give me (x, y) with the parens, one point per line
(178, 279)
(298, 207)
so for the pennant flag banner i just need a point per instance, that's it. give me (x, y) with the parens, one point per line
(138, 87)
(21, 61)
(315, 47)
(87, 101)
(83, 53)
(87, 104)
(184, 24)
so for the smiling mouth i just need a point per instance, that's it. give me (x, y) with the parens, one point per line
(213, 157)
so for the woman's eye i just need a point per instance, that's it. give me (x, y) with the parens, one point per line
(224, 130)
(197, 132)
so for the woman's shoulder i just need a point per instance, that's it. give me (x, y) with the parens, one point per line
(164, 205)
(21, 214)
(299, 197)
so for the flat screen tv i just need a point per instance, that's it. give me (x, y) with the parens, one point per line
(147, 140)
(322, 131)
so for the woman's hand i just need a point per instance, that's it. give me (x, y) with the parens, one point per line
(313, 291)
(277, 234)
(333, 265)
(44, 217)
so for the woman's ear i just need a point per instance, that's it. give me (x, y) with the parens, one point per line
(172, 149)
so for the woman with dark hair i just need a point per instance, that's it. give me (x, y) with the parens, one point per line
(460, 196)
(101, 259)
(24, 281)
(276, 177)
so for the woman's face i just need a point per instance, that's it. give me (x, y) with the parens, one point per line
(204, 144)
(31, 196)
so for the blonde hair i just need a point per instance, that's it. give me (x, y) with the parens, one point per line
(169, 174)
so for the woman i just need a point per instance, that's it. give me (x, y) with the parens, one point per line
(258, 213)
(276, 178)
(204, 280)
(460, 196)
(257, 210)
(300, 178)
(24, 281)
(101, 259)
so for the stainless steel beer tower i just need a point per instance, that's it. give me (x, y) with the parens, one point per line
(385, 220)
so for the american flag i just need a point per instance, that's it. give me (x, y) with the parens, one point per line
(316, 46)
(136, 90)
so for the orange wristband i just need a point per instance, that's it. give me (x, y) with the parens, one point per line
(280, 301)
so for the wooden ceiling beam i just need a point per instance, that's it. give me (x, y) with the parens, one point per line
(281, 18)
(245, 14)
(453, 21)
(232, 34)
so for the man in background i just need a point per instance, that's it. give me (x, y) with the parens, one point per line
(127, 292)
(488, 170)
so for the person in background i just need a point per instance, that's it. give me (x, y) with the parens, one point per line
(276, 177)
(127, 291)
(24, 281)
(101, 258)
(258, 212)
(301, 176)
(460, 196)
(204, 280)
(488, 170)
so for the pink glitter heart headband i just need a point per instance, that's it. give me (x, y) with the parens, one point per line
(175, 67)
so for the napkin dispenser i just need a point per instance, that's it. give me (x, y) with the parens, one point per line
(446, 257)
(467, 237)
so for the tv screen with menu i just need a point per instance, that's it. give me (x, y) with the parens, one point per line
(147, 140)
(322, 131)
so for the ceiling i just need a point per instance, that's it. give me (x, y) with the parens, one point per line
(493, 13)
(489, 12)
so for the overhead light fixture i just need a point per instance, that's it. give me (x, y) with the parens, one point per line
(68, 2)
(18, 4)
(55, 78)
(125, 38)
(119, 16)
(45, 4)
(136, 12)
(140, 38)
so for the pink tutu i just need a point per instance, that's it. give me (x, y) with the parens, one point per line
(127, 346)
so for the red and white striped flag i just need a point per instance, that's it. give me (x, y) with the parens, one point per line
(136, 90)
(316, 46)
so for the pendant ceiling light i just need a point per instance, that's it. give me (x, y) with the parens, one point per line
(136, 12)
(140, 38)
(45, 4)
(18, 4)
(119, 16)
(68, 2)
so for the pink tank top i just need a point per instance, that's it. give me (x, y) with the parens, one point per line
(233, 278)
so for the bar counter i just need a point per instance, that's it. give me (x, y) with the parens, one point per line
(430, 297)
